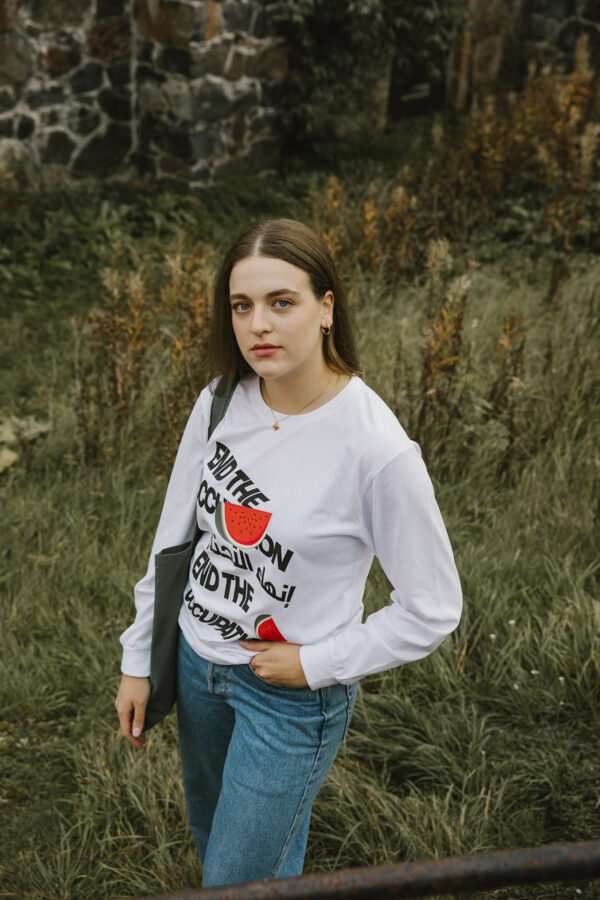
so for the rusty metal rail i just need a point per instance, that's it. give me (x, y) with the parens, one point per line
(553, 862)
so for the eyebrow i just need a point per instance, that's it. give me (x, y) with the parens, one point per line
(276, 293)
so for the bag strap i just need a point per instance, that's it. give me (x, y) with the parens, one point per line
(221, 400)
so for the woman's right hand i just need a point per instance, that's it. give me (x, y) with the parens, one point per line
(133, 698)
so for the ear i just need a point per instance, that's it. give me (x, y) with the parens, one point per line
(327, 311)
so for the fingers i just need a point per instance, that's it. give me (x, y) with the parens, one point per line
(130, 727)
(278, 663)
(131, 705)
(256, 646)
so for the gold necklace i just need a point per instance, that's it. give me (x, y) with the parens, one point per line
(276, 421)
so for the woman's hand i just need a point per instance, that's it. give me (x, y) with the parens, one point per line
(133, 697)
(277, 662)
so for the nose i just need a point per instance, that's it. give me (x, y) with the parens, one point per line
(260, 320)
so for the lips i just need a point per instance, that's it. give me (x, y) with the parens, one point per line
(264, 349)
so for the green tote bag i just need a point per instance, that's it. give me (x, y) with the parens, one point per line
(172, 567)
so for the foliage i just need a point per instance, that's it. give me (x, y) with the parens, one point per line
(423, 34)
(333, 47)
(541, 144)
(489, 743)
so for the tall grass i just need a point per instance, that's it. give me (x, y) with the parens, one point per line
(489, 743)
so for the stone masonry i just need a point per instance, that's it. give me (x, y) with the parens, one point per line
(181, 89)
(189, 89)
(501, 38)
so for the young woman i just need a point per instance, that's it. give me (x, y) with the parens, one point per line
(308, 476)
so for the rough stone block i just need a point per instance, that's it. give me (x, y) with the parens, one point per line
(143, 163)
(206, 143)
(58, 147)
(119, 73)
(104, 153)
(214, 22)
(68, 12)
(168, 138)
(166, 21)
(178, 96)
(210, 58)
(152, 99)
(116, 104)
(7, 97)
(110, 40)
(237, 16)
(82, 120)
(144, 51)
(45, 96)
(16, 58)
(238, 129)
(148, 73)
(87, 78)
(63, 54)
(8, 15)
(49, 117)
(239, 61)
(6, 126)
(269, 62)
(174, 167)
(262, 26)
(202, 173)
(25, 126)
(175, 59)
(273, 93)
(259, 157)
(215, 98)
(108, 8)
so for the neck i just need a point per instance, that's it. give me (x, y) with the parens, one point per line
(287, 396)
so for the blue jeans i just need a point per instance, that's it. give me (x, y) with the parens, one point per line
(254, 757)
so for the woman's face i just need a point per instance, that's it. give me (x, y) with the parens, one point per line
(277, 319)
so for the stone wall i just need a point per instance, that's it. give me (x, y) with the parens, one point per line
(187, 89)
(501, 38)
(175, 88)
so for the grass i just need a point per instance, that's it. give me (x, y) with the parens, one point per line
(490, 743)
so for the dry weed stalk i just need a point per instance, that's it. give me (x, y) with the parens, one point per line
(509, 353)
(440, 359)
(122, 333)
(328, 214)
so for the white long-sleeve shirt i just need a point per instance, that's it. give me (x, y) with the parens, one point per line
(341, 483)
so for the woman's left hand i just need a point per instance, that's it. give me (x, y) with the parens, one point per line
(277, 662)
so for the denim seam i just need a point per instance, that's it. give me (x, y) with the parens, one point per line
(209, 678)
(322, 743)
(349, 708)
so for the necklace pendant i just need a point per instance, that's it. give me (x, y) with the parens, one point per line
(275, 427)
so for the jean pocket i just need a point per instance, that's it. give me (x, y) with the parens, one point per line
(297, 693)
(258, 678)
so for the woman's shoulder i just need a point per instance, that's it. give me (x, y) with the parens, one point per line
(377, 435)
(377, 418)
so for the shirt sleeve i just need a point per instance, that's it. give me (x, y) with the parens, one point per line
(404, 528)
(176, 525)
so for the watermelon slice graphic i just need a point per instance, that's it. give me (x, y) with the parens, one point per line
(267, 630)
(240, 525)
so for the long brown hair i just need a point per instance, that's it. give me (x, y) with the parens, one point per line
(299, 245)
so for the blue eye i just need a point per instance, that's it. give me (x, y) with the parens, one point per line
(240, 306)
(286, 302)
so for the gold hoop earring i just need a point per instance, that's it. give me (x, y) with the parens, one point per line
(326, 329)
